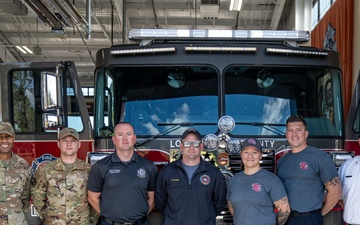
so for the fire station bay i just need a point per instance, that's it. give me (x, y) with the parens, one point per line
(230, 72)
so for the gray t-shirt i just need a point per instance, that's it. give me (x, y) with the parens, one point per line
(190, 170)
(304, 175)
(252, 197)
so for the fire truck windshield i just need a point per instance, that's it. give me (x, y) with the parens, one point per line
(155, 98)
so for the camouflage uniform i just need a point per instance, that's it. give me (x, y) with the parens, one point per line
(60, 195)
(15, 190)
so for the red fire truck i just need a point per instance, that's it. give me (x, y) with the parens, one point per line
(230, 85)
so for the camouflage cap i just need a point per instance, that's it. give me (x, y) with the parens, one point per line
(252, 142)
(68, 132)
(6, 128)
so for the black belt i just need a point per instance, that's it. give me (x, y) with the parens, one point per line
(109, 221)
(299, 214)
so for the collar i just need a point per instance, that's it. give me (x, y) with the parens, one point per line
(78, 165)
(115, 158)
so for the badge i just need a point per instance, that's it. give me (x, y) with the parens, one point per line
(141, 173)
(205, 179)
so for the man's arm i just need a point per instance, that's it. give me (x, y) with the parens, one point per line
(230, 207)
(94, 200)
(26, 194)
(151, 201)
(333, 194)
(283, 208)
(38, 192)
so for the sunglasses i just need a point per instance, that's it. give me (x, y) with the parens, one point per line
(195, 144)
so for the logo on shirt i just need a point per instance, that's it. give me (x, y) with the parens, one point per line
(41, 161)
(141, 173)
(205, 179)
(304, 165)
(256, 187)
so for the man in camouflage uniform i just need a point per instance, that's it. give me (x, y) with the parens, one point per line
(59, 191)
(14, 180)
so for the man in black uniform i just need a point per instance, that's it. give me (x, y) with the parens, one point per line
(121, 186)
(190, 190)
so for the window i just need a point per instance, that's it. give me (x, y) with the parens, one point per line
(320, 7)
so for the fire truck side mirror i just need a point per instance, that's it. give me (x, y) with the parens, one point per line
(50, 95)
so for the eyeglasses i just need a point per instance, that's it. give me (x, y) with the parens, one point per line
(195, 144)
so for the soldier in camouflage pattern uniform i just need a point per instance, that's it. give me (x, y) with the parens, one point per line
(59, 191)
(14, 180)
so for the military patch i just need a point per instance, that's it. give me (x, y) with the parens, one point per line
(41, 161)
(141, 173)
(205, 179)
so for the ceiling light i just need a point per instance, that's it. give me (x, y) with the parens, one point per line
(21, 49)
(235, 5)
(27, 49)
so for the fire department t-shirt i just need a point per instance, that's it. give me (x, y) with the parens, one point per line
(304, 175)
(252, 197)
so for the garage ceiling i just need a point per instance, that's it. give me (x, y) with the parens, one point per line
(67, 40)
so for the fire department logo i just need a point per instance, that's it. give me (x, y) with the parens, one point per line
(304, 166)
(256, 187)
(141, 173)
(205, 179)
(41, 161)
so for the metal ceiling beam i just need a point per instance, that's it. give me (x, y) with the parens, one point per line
(279, 7)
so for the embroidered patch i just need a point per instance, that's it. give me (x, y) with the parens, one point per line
(256, 187)
(141, 173)
(41, 161)
(304, 165)
(114, 170)
(205, 179)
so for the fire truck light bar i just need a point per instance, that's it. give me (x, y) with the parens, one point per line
(188, 34)
(295, 52)
(220, 49)
(142, 51)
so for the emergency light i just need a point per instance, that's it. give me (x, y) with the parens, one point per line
(234, 35)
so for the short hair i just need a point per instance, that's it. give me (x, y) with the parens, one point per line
(296, 118)
(124, 122)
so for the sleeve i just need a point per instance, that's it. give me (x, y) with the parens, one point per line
(39, 186)
(277, 189)
(327, 170)
(26, 194)
(160, 192)
(95, 181)
(219, 192)
(153, 174)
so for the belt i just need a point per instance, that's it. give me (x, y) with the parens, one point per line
(299, 214)
(109, 221)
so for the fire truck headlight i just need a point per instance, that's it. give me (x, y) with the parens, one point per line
(340, 157)
(211, 142)
(233, 146)
(226, 124)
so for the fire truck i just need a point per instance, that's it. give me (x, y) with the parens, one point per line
(228, 84)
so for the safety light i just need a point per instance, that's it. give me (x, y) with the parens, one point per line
(142, 51)
(235, 35)
(219, 49)
(296, 52)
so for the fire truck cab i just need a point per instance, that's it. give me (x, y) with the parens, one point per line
(229, 84)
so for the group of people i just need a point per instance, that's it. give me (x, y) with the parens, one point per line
(124, 188)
